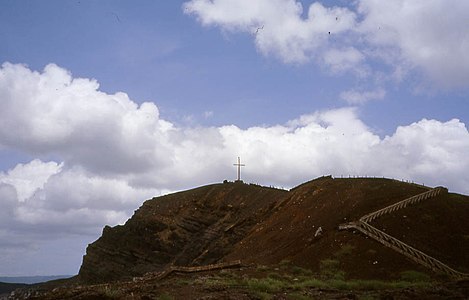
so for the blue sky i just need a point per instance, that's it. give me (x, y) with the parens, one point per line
(104, 104)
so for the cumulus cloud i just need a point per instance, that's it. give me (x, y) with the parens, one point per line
(51, 112)
(27, 178)
(360, 97)
(425, 37)
(429, 36)
(110, 154)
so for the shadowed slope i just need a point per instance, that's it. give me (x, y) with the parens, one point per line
(194, 227)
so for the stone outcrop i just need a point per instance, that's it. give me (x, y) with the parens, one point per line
(190, 228)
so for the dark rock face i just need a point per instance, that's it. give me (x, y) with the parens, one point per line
(194, 227)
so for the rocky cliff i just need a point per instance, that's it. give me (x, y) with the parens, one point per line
(194, 227)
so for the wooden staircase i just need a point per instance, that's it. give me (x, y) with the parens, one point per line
(387, 240)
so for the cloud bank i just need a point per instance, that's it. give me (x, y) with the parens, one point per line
(428, 38)
(95, 156)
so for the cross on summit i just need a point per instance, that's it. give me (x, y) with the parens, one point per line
(239, 165)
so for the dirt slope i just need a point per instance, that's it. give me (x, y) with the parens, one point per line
(289, 233)
(438, 226)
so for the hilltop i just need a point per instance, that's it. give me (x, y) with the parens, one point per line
(336, 228)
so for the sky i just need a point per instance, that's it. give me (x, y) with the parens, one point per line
(104, 104)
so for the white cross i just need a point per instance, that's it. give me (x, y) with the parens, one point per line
(239, 165)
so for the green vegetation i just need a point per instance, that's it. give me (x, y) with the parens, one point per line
(269, 285)
(330, 269)
(300, 271)
(295, 281)
(165, 296)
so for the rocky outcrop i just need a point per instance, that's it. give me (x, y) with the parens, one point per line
(190, 228)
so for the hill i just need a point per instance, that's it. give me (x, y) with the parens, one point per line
(317, 239)
(32, 279)
(6, 288)
(194, 227)
(437, 226)
(259, 225)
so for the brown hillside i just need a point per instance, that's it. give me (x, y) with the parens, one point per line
(194, 227)
(264, 226)
(288, 234)
(438, 226)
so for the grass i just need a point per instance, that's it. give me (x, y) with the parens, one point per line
(330, 269)
(300, 271)
(269, 285)
(295, 281)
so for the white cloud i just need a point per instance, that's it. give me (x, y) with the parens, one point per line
(111, 154)
(283, 32)
(27, 178)
(360, 97)
(430, 36)
(8, 198)
(340, 61)
(51, 112)
(426, 37)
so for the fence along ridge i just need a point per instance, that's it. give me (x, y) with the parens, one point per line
(391, 242)
(404, 203)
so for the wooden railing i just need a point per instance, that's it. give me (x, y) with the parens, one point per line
(389, 241)
(181, 269)
(401, 247)
(404, 203)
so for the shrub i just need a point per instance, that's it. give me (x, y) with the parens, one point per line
(269, 285)
(330, 269)
(300, 271)
(309, 283)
